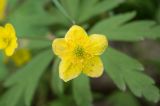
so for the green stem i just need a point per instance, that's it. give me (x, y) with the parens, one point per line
(62, 10)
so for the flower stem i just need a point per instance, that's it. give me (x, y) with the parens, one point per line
(63, 11)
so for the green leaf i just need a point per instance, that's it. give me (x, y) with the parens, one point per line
(12, 4)
(158, 14)
(124, 70)
(3, 69)
(12, 96)
(27, 18)
(112, 22)
(81, 91)
(57, 84)
(70, 8)
(135, 31)
(154, 32)
(28, 77)
(104, 6)
(35, 43)
(91, 8)
(116, 28)
(122, 99)
(63, 101)
(62, 10)
(115, 64)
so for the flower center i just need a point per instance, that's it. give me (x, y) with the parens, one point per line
(79, 51)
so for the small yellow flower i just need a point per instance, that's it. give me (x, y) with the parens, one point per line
(20, 57)
(8, 39)
(3, 4)
(80, 53)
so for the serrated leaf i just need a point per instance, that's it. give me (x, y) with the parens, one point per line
(105, 5)
(30, 74)
(124, 70)
(116, 28)
(81, 91)
(135, 31)
(115, 61)
(91, 8)
(111, 23)
(122, 99)
(57, 84)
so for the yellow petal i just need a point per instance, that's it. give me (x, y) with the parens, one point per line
(61, 48)
(3, 44)
(76, 34)
(10, 30)
(93, 67)
(69, 70)
(21, 56)
(97, 45)
(9, 50)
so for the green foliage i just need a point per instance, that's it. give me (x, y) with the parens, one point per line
(31, 19)
(24, 15)
(57, 83)
(62, 10)
(71, 9)
(3, 69)
(124, 70)
(158, 15)
(12, 4)
(25, 81)
(81, 91)
(34, 19)
(64, 101)
(13, 95)
(91, 8)
(36, 44)
(83, 10)
(122, 99)
(117, 28)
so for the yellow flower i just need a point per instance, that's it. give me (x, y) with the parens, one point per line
(80, 53)
(3, 4)
(8, 39)
(21, 57)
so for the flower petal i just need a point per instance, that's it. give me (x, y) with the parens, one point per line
(93, 67)
(9, 50)
(76, 34)
(69, 70)
(97, 45)
(60, 47)
(10, 29)
(2, 43)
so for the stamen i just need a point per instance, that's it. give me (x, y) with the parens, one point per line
(79, 51)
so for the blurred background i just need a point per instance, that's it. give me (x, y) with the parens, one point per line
(38, 22)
